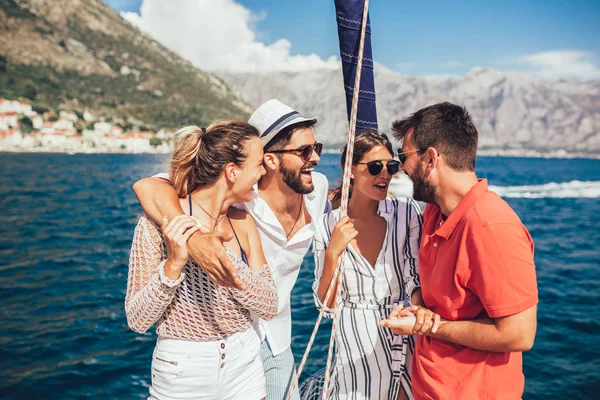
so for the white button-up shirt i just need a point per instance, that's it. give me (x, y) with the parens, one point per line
(285, 257)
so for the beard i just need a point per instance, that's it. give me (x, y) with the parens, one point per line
(422, 190)
(294, 179)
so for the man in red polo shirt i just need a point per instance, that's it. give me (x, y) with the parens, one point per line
(476, 267)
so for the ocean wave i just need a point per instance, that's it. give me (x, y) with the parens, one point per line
(563, 190)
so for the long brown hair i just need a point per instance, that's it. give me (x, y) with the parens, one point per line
(364, 141)
(201, 154)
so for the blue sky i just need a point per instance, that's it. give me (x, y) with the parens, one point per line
(551, 38)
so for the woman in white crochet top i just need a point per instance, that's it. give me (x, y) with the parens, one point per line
(206, 347)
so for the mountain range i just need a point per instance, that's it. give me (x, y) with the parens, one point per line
(511, 111)
(81, 54)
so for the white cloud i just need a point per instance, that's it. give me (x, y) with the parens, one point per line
(132, 17)
(562, 64)
(407, 67)
(218, 35)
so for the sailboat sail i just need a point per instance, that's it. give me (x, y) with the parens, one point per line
(349, 15)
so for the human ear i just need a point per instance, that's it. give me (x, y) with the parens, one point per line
(271, 161)
(432, 156)
(231, 172)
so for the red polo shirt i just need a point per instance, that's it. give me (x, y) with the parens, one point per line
(476, 264)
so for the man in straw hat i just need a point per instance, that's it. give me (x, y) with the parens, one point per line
(287, 199)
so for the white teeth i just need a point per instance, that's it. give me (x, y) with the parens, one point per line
(308, 170)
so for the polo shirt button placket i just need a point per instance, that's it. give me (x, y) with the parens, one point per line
(435, 244)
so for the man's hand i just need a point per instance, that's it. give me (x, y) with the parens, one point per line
(207, 249)
(159, 199)
(413, 320)
(427, 321)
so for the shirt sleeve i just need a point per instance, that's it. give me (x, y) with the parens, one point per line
(320, 243)
(149, 291)
(260, 295)
(502, 269)
(410, 274)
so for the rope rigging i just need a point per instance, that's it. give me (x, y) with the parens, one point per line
(344, 209)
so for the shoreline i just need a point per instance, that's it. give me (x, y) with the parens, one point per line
(559, 154)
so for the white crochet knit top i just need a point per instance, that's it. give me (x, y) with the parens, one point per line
(191, 307)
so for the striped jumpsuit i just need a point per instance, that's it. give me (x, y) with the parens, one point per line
(370, 361)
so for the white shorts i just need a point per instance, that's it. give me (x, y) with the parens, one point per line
(224, 369)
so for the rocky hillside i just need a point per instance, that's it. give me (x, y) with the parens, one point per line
(80, 54)
(511, 111)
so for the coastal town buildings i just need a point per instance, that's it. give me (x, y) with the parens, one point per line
(23, 129)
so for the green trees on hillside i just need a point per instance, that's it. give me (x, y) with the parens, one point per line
(162, 90)
(26, 124)
(154, 141)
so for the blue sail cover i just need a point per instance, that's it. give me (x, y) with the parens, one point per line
(349, 15)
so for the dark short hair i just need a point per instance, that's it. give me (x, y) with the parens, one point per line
(446, 127)
(282, 139)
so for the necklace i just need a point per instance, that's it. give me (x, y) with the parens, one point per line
(297, 217)
(217, 220)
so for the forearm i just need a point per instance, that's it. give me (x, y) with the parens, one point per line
(482, 334)
(157, 198)
(146, 306)
(329, 265)
(260, 295)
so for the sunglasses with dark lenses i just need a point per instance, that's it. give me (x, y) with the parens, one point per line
(375, 167)
(305, 152)
(403, 156)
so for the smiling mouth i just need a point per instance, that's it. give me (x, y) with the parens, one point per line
(381, 186)
(307, 171)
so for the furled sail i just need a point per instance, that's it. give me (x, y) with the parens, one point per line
(349, 15)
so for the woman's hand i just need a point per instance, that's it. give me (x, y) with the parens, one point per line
(342, 234)
(176, 234)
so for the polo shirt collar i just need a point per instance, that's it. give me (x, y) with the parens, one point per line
(461, 209)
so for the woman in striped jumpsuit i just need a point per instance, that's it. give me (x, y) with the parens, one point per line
(380, 272)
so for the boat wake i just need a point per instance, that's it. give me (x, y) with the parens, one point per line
(564, 190)
(402, 187)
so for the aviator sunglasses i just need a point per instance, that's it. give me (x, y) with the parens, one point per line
(305, 152)
(375, 167)
(403, 156)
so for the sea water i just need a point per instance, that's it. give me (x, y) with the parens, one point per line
(66, 226)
